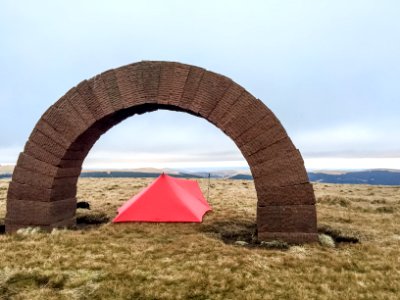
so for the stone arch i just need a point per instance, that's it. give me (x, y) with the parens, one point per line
(44, 183)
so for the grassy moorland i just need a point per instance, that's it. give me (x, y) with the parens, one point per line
(202, 261)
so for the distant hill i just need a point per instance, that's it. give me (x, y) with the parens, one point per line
(6, 171)
(375, 177)
(242, 177)
(225, 174)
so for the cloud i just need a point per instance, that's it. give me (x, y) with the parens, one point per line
(126, 160)
(354, 163)
(166, 132)
(9, 155)
(348, 140)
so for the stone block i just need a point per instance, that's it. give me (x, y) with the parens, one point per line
(110, 84)
(282, 171)
(106, 90)
(68, 172)
(30, 163)
(23, 191)
(47, 143)
(242, 103)
(70, 113)
(267, 131)
(70, 163)
(20, 191)
(237, 126)
(22, 175)
(232, 94)
(75, 154)
(86, 140)
(40, 213)
(79, 104)
(34, 178)
(86, 93)
(191, 86)
(282, 147)
(298, 194)
(49, 131)
(65, 181)
(150, 78)
(287, 218)
(70, 126)
(211, 89)
(172, 82)
(99, 91)
(39, 153)
(263, 140)
(130, 83)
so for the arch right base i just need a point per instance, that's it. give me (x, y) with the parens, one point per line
(294, 224)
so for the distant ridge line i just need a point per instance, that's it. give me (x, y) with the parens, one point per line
(371, 177)
(130, 174)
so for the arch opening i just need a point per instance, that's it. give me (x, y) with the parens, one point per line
(165, 139)
(44, 184)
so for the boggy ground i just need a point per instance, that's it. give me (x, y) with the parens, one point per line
(202, 261)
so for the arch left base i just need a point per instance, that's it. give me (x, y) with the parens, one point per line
(47, 215)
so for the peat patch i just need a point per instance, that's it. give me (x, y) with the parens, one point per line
(91, 220)
(240, 233)
(338, 236)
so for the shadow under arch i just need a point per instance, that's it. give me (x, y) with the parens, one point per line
(44, 183)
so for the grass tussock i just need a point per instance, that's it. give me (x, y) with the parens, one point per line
(221, 258)
(326, 240)
(29, 231)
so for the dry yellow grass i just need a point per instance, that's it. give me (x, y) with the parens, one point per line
(191, 261)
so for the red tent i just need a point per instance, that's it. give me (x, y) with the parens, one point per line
(166, 199)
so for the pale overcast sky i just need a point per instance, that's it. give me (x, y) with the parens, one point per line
(329, 70)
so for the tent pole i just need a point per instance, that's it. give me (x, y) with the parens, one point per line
(208, 187)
